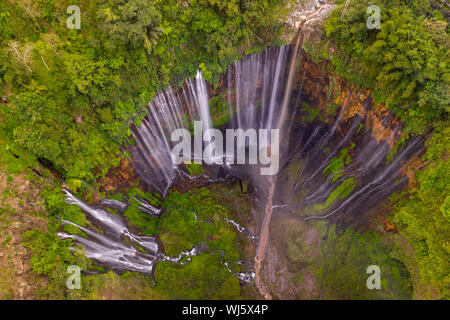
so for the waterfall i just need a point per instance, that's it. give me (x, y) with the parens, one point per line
(166, 112)
(117, 247)
(263, 91)
(255, 99)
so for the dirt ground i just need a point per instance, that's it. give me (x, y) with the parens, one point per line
(20, 211)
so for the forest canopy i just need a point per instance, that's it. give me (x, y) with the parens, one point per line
(68, 97)
(71, 94)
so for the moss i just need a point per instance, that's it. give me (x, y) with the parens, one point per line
(345, 258)
(129, 285)
(50, 258)
(193, 218)
(342, 191)
(153, 198)
(219, 111)
(337, 164)
(361, 125)
(205, 277)
(194, 169)
(321, 226)
(296, 250)
(310, 113)
(147, 225)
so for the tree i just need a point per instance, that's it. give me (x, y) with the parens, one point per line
(131, 22)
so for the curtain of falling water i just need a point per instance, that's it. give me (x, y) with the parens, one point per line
(255, 99)
(256, 91)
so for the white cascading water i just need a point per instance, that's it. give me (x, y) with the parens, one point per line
(170, 110)
(258, 92)
(166, 112)
(110, 248)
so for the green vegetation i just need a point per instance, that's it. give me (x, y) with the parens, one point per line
(145, 223)
(345, 258)
(68, 97)
(342, 191)
(336, 165)
(196, 219)
(423, 215)
(202, 278)
(296, 250)
(332, 88)
(310, 113)
(194, 169)
(51, 257)
(219, 111)
(72, 93)
(406, 66)
(193, 218)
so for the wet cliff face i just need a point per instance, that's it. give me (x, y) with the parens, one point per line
(339, 155)
(325, 91)
(344, 159)
(343, 155)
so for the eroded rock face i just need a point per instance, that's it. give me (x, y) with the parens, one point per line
(341, 109)
(119, 178)
(328, 88)
(348, 116)
(312, 14)
(345, 115)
